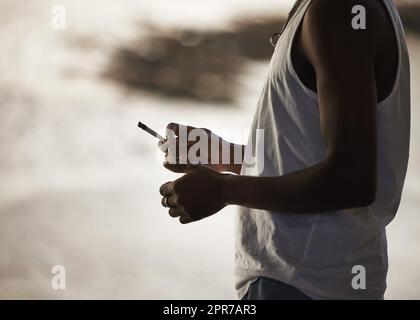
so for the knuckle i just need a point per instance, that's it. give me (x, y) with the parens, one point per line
(176, 187)
(173, 200)
(172, 212)
(180, 202)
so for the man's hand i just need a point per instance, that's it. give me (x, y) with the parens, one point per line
(181, 139)
(196, 195)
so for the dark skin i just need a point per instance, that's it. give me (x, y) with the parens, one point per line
(351, 71)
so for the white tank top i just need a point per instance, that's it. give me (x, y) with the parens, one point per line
(316, 253)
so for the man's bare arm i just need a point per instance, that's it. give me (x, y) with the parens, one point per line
(343, 60)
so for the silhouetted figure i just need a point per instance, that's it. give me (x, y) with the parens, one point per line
(335, 111)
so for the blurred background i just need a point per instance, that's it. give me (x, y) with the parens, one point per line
(79, 182)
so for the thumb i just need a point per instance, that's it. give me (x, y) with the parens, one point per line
(180, 168)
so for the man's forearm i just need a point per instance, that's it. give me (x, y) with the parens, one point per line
(321, 188)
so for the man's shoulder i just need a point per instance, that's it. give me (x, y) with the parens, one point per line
(332, 21)
(338, 15)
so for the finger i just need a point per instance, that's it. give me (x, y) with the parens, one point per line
(163, 146)
(167, 189)
(169, 159)
(178, 168)
(185, 219)
(176, 212)
(172, 201)
(164, 202)
(171, 149)
(173, 146)
(172, 127)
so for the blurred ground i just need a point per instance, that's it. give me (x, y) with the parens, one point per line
(78, 181)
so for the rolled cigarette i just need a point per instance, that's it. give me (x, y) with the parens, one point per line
(150, 131)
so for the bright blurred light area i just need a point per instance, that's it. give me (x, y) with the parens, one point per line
(79, 182)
